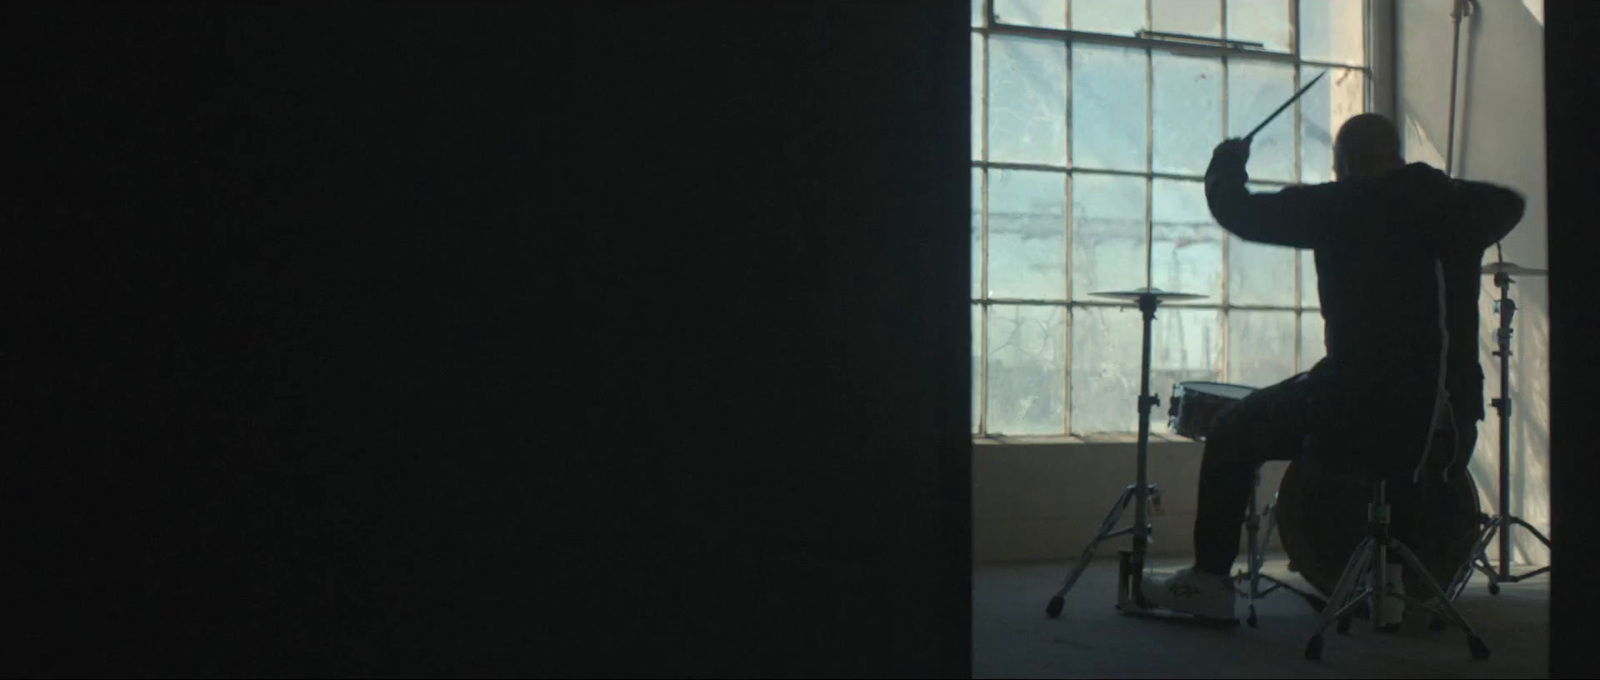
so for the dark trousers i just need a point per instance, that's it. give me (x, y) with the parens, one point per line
(1281, 422)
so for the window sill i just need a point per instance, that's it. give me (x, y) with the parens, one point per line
(1058, 440)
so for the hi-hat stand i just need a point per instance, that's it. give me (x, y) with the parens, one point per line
(1142, 494)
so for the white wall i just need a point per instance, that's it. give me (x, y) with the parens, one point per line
(1499, 138)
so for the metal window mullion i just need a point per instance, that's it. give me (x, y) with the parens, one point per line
(1294, 29)
(1172, 46)
(1149, 155)
(1067, 189)
(1040, 167)
(1299, 176)
(983, 221)
(1227, 241)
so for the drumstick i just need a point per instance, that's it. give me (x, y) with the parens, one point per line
(1286, 104)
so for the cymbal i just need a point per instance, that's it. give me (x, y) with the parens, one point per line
(1157, 293)
(1512, 269)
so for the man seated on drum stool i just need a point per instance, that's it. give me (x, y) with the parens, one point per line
(1378, 232)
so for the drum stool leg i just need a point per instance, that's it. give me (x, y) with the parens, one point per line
(1372, 554)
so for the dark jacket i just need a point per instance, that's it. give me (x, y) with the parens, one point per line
(1376, 241)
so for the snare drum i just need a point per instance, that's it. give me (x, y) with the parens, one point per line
(1195, 405)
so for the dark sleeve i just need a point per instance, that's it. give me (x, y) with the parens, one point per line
(1489, 211)
(1298, 217)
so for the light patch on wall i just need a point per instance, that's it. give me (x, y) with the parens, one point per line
(1418, 147)
(1536, 8)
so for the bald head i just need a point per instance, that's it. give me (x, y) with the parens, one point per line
(1367, 144)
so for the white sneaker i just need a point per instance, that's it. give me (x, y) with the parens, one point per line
(1193, 592)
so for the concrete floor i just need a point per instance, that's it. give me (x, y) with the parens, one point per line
(1012, 637)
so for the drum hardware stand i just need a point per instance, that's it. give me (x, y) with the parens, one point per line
(1143, 494)
(1499, 526)
(1372, 557)
(1256, 557)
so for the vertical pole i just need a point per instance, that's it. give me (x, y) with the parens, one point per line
(1147, 306)
(1504, 407)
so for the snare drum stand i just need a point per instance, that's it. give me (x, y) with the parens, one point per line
(1256, 557)
(1141, 493)
(1500, 525)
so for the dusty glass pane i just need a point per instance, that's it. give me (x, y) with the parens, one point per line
(1108, 234)
(1326, 106)
(1260, 347)
(1109, 130)
(1027, 234)
(1189, 17)
(977, 233)
(1334, 31)
(1122, 17)
(1186, 243)
(1260, 274)
(1027, 101)
(977, 13)
(1041, 13)
(1308, 279)
(977, 96)
(1312, 348)
(1105, 369)
(977, 355)
(1186, 344)
(1262, 21)
(1188, 112)
(1027, 369)
(1255, 90)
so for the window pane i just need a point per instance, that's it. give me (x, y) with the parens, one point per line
(1027, 369)
(1255, 90)
(1260, 347)
(1109, 130)
(1041, 13)
(1262, 21)
(1108, 234)
(977, 96)
(977, 12)
(1027, 234)
(1186, 344)
(1312, 348)
(1027, 101)
(1260, 274)
(1186, 251)
(1327, 106)
(1189, 17)
(977, 233)
(1333, 30)
(1188, 112)
(1108, 16)
(1105, 369)
(1308, 280)
(977, 351)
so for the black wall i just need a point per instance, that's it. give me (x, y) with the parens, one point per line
(486, 339)
(1570, 128)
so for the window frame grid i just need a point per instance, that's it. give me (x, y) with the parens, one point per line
(1223, 52)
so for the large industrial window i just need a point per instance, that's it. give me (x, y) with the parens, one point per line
(1093, 123)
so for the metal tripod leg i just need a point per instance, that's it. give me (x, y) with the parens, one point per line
(1106, 533)
(1478, 560)
(1446, 608)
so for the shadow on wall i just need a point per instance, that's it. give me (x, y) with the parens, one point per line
(1499, 138)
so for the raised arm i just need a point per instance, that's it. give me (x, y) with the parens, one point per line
(1299, 217)
(1489, 212)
